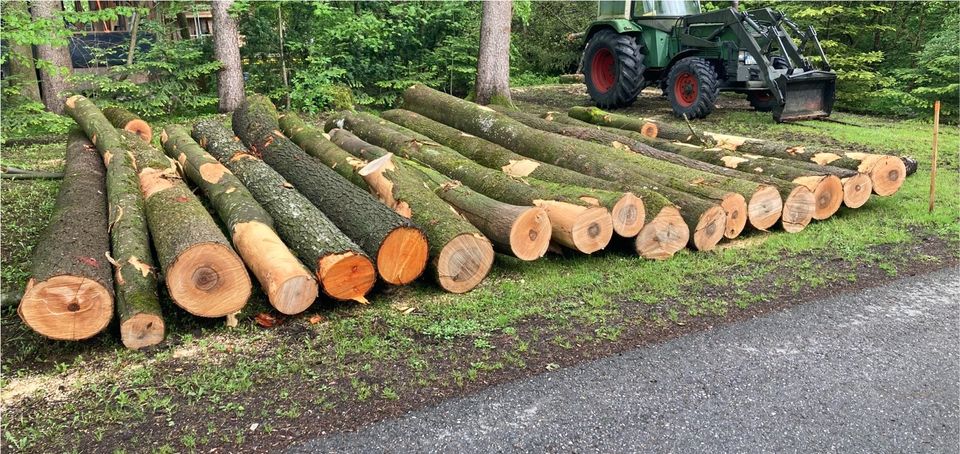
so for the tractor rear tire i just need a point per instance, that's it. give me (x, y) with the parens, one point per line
(761, 101)
(692, 88)
(613, 69)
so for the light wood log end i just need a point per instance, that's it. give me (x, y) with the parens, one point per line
(530, 234)
(856, 190)
(735, 207)
(710, 228)
(887, 174)
(798, 209)
(142, 330)
(402, 256)
(464, 262)
(764, 208)
(628, 215)
(828, 196)
(663, 236)
(66, 307)
(208, 280)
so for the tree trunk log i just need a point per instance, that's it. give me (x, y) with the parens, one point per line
(461, 255)
(629, 214)
(202, 272)
(345, 272)
(59, 65)
(493, 61)
(128, 121)
(70, 292)
(578, 221)
(138, 305)
(886, 172)
(226, 47)
(593, 159)
(400, 247)
(23, 69)
(290, 288)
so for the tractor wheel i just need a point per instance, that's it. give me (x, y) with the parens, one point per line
(761, 101)
(613, 69)
(692, 88)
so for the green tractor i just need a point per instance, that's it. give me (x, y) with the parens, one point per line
(692, 56)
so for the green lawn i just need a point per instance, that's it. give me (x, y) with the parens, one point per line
(342, 365)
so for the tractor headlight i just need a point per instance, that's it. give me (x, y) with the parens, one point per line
(746, 58)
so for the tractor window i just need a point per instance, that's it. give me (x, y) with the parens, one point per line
(666, 7)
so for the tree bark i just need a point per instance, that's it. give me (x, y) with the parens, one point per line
(400, 247)
(53, 79)
(461, 256)
(290, 288)
(138, 305)
(579, 221)
(345, 272)
(128, 121)
(22, 67)
(226, 47)
(629, 214)
(70, 292)
(886, 172)
(493, 61)
(593, 159)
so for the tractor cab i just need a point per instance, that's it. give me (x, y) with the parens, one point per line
(693, 56)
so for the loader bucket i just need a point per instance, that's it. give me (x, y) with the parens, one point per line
(806, 95)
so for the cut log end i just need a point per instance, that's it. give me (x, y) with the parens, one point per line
(710, 228)
(827, 194)
(856, 190)
(295, 294)
(663, 236)
(628, 215)
(347, 276)
(208, 280)
(464, 262)
(142, 330)
(141, 129)
(66, 307)
(583, 229)
(764, 208)
(735, 207)
(402, 256)
(887, 175)
(798, 209)
(649, 129)
(530, 234)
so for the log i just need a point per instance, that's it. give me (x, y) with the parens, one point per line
(520, 231)
(886, 172)
(203, 274)
(289, 287)
(344, 271)
(128, 121)
(31, 176)
(578, 222)
(135, 280)
(629, 219)
(69, 295)
(798, 205)
(571, 78)
(399, 247)
(764, 201)
(461, 257)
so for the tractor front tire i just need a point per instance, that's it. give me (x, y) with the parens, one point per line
(613, 69)
(692, 88)
(761, 101)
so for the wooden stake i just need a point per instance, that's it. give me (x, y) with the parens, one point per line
(933, 163)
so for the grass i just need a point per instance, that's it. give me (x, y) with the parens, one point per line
(208, 386)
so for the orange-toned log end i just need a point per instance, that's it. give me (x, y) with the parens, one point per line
(663, 236)
(798, 209)
(142, 330)
(828, 196)
(402, 256)
(735, 207)
(710, 228)
(208, 280)
(649, 129)
(464, 262)
(628, 215)
(887, 175)
(764, 208)
(856, 190)
(592, 230)
(141, 128)
(347, 276)
(530, 234)
(66, 307)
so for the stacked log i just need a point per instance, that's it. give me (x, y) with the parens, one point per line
(461, 257)
(344, 271)
(521, 231)
(398, 246)
(289, 287)
(138, 305)
(577, 222)
(123, 119)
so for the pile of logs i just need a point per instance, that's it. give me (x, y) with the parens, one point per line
(439, 185)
